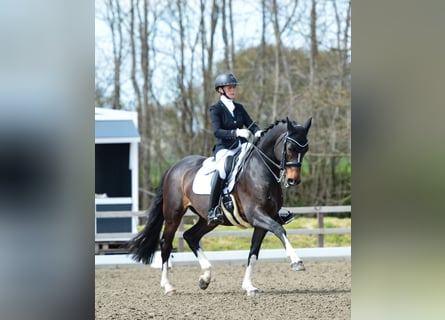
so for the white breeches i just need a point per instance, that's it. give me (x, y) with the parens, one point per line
(220, 158)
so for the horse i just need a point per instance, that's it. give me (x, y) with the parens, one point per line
(276, 157)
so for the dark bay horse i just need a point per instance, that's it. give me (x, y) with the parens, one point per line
(276, 157)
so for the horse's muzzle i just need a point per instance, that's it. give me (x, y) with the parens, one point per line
(293, 176)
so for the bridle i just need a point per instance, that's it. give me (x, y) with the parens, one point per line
(283, 163)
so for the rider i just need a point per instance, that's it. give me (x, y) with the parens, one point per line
(228, 119)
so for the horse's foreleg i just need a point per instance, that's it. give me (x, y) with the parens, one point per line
(257, 239)
(278, 230)
(296, 263)
(251, 290)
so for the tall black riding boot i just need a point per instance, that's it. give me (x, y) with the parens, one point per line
(215, 215)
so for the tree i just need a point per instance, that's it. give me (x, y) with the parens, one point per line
(183, 48)
(115, 21)
(280, 58)
(207, 51)
(141, 81)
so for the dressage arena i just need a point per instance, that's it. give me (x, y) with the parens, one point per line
(323, 291)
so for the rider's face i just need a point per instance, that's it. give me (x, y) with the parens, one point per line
(230, 91)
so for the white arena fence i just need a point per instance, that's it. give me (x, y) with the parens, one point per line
(114, 242)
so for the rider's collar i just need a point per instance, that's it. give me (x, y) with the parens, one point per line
(228, 103)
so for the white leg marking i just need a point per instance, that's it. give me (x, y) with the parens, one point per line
(248, 277)
(164, 277)
(290, 252)
(296, 264)
(206, 266)
(165, 283)
(203, 261)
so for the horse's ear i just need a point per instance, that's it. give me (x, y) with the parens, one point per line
(307, 125)
(290, 127)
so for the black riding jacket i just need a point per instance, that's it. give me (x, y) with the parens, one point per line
(225, 125)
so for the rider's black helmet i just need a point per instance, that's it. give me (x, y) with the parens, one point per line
(225, 79)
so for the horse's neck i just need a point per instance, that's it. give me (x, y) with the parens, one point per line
(269, 140)
(260, 166)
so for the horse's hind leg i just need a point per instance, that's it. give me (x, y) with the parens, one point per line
(166, 245)
(193, 236)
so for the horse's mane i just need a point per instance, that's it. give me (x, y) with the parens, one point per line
(273, 125)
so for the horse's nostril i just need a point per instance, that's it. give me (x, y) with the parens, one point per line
(293, 182)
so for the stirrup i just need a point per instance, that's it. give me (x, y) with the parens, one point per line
(215, 216)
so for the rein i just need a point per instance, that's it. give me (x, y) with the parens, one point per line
(264, 157)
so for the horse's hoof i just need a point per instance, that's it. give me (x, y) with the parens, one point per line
(170, 293)
(203, 284)
(297, 266)
(250, 289)
(253, 292)
(170, 290)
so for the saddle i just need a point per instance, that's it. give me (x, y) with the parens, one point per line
(201, 183)
(234, 166)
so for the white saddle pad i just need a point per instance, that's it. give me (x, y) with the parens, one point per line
(203, 178)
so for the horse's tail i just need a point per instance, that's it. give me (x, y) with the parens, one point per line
(144, 245)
